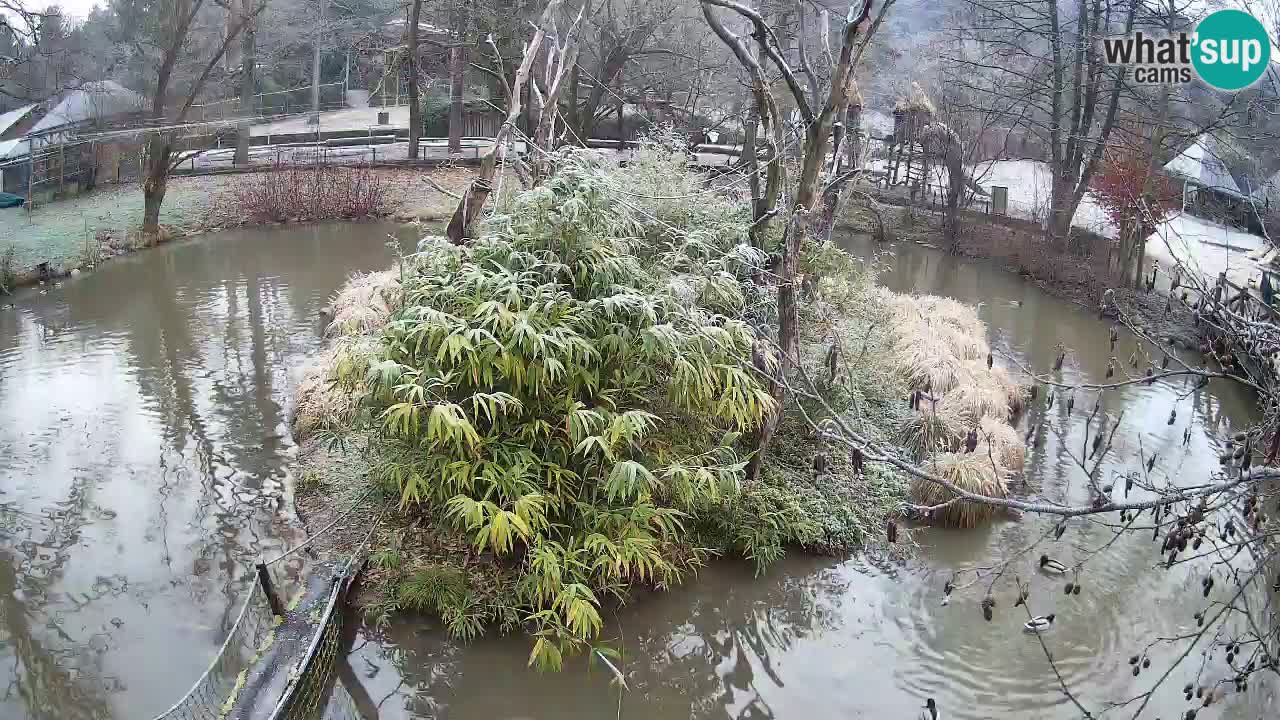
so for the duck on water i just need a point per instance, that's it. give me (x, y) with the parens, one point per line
(1050, 566)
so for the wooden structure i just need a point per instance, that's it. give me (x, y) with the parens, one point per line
(908, 159)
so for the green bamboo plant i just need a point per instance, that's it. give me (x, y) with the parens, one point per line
(552, 392)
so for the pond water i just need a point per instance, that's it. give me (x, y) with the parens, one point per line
(868, 637)
(144, 437)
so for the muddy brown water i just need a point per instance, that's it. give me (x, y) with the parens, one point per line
(143, 435)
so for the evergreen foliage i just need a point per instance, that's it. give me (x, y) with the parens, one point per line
(565, 401)
(547, 393)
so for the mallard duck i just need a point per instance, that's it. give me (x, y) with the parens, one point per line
(1051, 566)
(930, 711)
(1038, 623)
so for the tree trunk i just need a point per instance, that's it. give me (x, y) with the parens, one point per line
(415, 106)
(154, 187)
(750, 164)
(607, 75)
(571, 116)
(457, 66)
(817, 142)
(248, 69)
(622, 123)
(1140, 252)
(315, 66)
(853, 136)
(472, 201)
(1061, 210)
(1125, 238)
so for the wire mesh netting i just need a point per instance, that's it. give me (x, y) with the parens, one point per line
(213, 695)
(342, 706)
(285, 662)
(316, 690)
(309, 693)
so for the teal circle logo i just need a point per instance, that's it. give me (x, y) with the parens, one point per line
(1232, 50)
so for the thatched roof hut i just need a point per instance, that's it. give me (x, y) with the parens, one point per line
(911, 114)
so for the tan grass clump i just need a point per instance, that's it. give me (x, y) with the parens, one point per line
(941, 344)
(938, 342)
(364, 303)
(1004, 442)
(1017, 394)
(324, 398)
(975, 396)
(321, 400)
(927, 432)
(973, 472)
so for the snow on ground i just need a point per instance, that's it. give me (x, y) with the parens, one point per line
(1205, 245)
(1196, 242)
(1029, 184)
(364, 118)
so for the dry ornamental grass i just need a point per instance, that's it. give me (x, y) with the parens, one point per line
(941, 349)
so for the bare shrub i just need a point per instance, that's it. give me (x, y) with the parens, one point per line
(308, 193)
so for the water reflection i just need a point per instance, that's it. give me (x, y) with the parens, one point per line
(864, 638)
(143, 446)
(712, 649)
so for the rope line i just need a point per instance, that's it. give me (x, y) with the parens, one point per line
(212, 695)
(364, 543)
(309, 690)
(324, 531)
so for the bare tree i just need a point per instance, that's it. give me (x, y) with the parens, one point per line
(560, 57)
(162, 30)
(457, 74)
(415, 105)
(1044, 67)
(624, 31)
(248, 75)
(817, 140)
(34, 61)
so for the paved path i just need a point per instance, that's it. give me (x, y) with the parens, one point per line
(364, 118)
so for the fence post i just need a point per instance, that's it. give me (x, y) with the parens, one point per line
(273, 600)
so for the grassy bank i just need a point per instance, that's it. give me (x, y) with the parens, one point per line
(86, 230)
(559, 415)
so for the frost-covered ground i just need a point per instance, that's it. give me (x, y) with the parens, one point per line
(1198, 243)
(56, 232)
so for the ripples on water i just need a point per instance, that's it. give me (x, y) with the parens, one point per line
(143, 441)
(868, 638)
(143, 433)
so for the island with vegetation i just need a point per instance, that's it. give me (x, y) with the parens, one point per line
(565, 412)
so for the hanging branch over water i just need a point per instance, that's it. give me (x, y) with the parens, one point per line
(1224, 514)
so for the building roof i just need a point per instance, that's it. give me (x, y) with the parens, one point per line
(100, 99)
(15, 148)
(13, 117)
(1201, 164)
